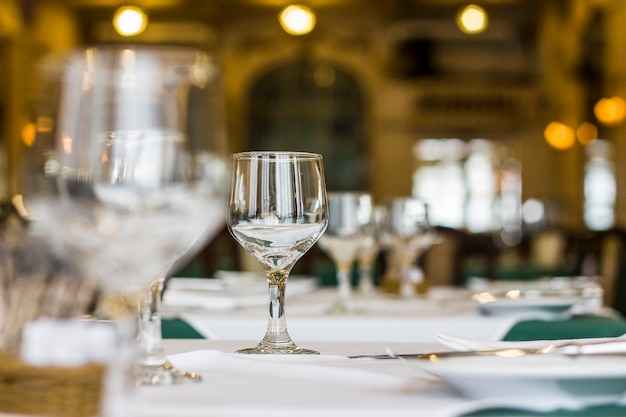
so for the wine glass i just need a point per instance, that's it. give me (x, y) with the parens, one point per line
(366, 258)
(407, 233)
(349, 213)
(128, 173)
(277, 211)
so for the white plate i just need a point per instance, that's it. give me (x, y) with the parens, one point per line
(545, 286)
(540, 382)
(540, 307)
(545, 298)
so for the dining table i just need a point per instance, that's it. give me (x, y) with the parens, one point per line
(329, 384)
(204, 324)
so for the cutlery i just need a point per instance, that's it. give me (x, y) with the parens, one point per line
(562, 348)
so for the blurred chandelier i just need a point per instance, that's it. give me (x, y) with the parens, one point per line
(472, 19)
(130, 21)
(297, 19)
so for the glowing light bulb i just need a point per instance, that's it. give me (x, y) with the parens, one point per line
(587, 133)
(130, 21)
(297, 19)
(559, 135)
(29, 132)
(610, 111)
(472, 19)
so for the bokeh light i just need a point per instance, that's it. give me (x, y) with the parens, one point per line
(297, 19)
(472, 19)
(130, 21)
(587, 133)
(533, 211)
(28, 134)
(559, 135)
(610, 111)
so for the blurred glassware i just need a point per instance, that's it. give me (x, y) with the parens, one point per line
(369, 251)
(128, 170)
(349, 214)
(277, 211)
(407, 234)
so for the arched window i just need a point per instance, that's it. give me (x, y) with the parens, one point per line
(315, 107)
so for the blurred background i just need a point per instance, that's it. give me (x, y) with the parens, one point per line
(512, 130)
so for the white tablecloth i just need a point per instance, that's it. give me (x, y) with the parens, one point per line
(302, 385)
(329, 384)
(379, 318)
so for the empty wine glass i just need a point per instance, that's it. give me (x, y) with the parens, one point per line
(407, 233)
(128, 171)
(349, 214)
(277, 212)
(369, 251)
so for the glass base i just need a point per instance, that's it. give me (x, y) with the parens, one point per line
(164, 374)
(265, 348)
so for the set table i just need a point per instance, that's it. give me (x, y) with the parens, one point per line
(203, 340)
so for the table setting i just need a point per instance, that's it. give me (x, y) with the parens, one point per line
(335, 384)
(377, 330)
(558, 375)
(384, 316)
(129, 178)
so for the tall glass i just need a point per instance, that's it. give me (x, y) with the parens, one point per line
(349, 214)
(369, 251)
(407, 233)
(277, 211)
(128, 171)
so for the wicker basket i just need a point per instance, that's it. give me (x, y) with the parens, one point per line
(49, 391)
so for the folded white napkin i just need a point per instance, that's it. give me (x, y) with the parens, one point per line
(570, 346)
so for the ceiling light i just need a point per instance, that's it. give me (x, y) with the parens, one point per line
(587, 133)
(472, 19)
(297, 19)
(610, 111)
(130, 21)
(559, 135)
(28, 134)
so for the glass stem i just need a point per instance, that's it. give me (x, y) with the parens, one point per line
(149, 336)
(344, 285)
(276, 333)
(366, 276)
(407, 286)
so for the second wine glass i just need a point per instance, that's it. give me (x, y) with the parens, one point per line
(277, 212)
(407, 234)
(349, 213)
